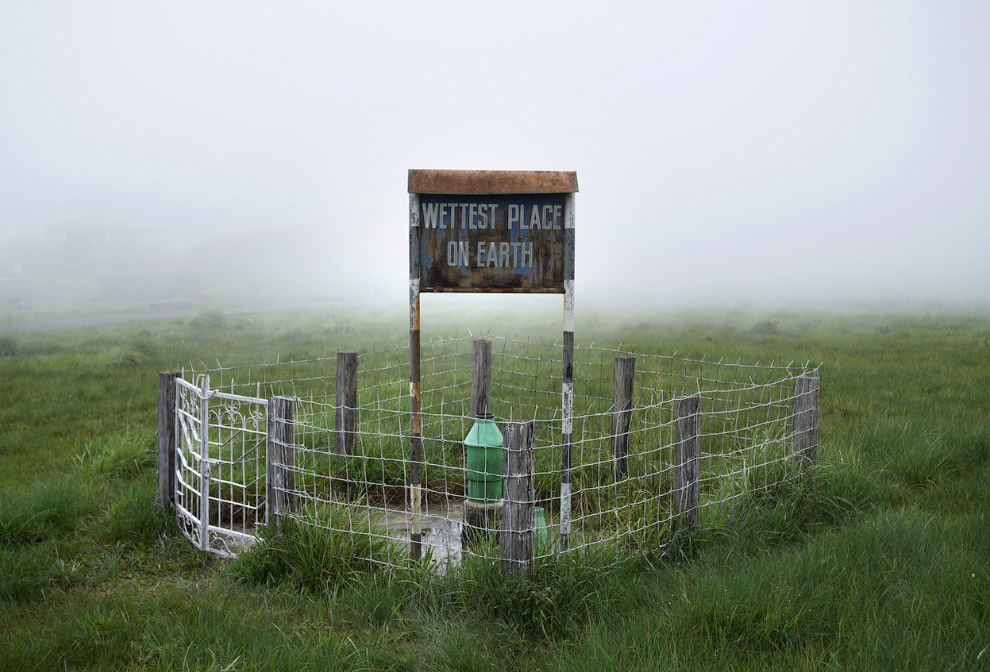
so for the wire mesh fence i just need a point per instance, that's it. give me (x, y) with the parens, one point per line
(628, 464)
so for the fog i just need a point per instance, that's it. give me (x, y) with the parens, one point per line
(255, 154)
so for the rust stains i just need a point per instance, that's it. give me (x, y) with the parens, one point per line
(492, 182)
(492, 243)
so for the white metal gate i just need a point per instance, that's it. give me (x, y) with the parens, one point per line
(219, 466)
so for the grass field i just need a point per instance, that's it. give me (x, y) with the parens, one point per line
(879, 561)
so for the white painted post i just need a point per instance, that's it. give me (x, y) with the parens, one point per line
(204, 464)
(567, 384)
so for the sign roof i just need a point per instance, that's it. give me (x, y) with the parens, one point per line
(492, 182)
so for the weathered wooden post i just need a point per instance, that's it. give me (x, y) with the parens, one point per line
(518, 535)
(415, 391)
(805, 420)
(480, 517)
(347, 370)
(167, 438)
(687, 454)
(622, 399)
(280, 483)
(481, 378)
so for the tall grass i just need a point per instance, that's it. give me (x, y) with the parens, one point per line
(125, 454)
(317, 548)
(876, 560)
(42, 510)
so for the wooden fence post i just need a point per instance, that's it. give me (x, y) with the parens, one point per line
(280, 482)
(480, 518)
(347, 373)
(687, 454)
(481, 378)
(167, 439)
(805, 441)
(518, 534)
(622, 397)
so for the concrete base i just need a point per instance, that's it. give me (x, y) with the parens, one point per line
(481, 523)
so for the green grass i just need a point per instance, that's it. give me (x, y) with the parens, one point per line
(309, 553)
(877, 560)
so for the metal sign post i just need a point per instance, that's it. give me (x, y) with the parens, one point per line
(490, 231)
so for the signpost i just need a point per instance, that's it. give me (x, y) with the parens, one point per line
(490, 231)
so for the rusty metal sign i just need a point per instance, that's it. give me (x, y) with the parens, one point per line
(491, 231)
(491, 243)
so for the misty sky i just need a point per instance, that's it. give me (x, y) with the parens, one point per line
(762, 150)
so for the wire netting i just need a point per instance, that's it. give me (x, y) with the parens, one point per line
(746, 437)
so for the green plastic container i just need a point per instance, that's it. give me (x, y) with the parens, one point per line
(542, 533)
(484, 461)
